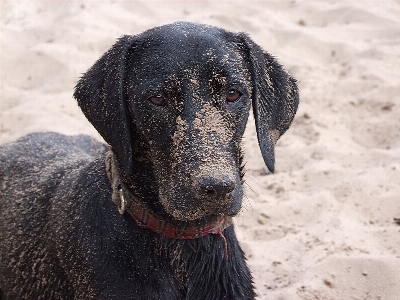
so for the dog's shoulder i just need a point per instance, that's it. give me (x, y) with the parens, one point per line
(36, 173)
(43, 151)
(39, 161)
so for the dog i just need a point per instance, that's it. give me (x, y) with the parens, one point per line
(148, 216)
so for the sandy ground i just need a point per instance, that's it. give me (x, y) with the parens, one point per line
(321, 227)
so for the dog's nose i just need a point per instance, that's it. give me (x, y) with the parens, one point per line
(216, 187)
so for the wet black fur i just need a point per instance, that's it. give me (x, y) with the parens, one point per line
(61, 236)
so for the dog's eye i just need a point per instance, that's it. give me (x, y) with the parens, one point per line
(233, 95)
(157, 100)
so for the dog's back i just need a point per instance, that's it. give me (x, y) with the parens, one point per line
(31, 170)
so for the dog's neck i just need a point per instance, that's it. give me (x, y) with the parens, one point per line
(145, 218)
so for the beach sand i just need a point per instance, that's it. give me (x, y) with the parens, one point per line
(322, 226)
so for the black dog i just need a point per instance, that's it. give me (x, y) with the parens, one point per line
(155, 220)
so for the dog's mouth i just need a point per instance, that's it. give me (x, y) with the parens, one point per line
(204, 199)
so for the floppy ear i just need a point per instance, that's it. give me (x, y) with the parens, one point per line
(275, 99)
(100, 95)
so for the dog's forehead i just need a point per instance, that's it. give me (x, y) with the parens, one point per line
(183, 35)
(187, 47)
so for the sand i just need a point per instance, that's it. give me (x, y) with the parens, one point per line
(322, 226)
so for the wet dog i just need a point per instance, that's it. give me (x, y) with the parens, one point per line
(150, 215)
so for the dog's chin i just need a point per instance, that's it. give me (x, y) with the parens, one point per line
(203, 211)
(187, 215)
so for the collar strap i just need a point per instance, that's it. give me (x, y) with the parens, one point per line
(147, 220)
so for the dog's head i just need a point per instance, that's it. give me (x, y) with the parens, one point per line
(173, 103)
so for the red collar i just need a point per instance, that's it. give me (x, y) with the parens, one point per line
(147, 220)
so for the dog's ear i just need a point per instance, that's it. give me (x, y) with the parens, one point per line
(275, 99)
(100, 95)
